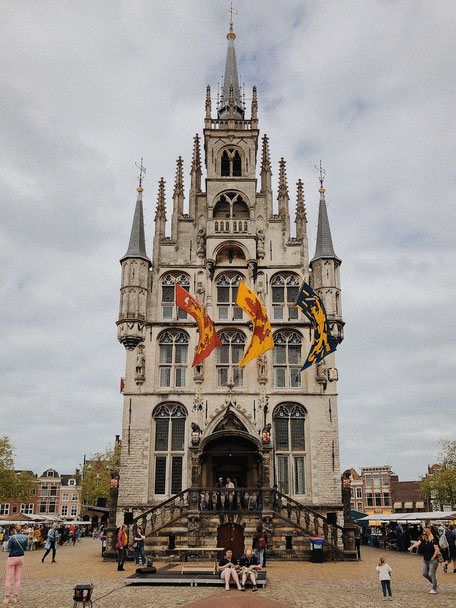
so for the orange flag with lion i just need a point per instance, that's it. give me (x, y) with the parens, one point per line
(262, 339)
(208, 338)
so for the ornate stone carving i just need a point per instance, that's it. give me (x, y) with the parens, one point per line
(140, 365)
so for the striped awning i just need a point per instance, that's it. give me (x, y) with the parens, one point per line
(397, 505)
(408, 505)
(419, 505)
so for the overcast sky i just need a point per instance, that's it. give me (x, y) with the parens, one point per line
(90, 87)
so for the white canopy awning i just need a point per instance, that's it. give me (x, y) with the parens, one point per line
(418, 516)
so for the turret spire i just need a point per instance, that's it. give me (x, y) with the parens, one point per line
(301, 217)
(283, 196)
(324, 247)
(231, 79)
(137, 244)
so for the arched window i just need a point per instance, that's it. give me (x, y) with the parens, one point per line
(170, 310)
(285, 290)
(287, 360)
(169, 446)
(231, 206)
(227, 288)
(173, 359)
(290, 444)
(231, 163)
(228, 357)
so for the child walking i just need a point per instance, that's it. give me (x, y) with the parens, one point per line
(384, 575)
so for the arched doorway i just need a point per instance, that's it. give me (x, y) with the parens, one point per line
(231, 535)
(230, 451)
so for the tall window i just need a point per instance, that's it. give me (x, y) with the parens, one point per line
(227, 289)
(74, 510)
(44, 491)
(170, 310)
(169, 449)
(64, 510)
(173, 359)
(285, 290)
(289, 426)
(228, 357)
(27, 509)
(287, 360)
(231, 163)
(4, 508)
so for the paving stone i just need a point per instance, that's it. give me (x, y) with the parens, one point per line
(296, 584)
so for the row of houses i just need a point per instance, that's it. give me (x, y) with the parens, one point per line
(53, 494)
(376, 490)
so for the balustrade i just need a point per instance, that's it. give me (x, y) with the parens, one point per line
(231, 226)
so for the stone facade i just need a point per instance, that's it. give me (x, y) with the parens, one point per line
(183, 427)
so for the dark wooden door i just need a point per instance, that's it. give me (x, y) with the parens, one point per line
(231, 535)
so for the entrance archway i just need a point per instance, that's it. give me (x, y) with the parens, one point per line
(231, 535)
(231, 453)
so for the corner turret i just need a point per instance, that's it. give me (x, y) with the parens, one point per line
(133, 292)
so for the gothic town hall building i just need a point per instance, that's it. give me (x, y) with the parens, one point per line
(265, 424)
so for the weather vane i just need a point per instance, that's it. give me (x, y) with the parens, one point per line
(233, 11)
(322, 174)
(142, 172)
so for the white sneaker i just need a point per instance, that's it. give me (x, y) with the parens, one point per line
(384, 598)
(432, 591)
(227, 587)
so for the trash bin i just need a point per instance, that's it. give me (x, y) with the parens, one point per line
(316, 549)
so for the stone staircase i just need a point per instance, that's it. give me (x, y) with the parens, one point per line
(192, 518)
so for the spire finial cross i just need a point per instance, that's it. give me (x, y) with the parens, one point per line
(322, 174)
(142, 172)
(232, 12)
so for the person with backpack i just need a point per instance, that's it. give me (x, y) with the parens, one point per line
(17, 545)
(259, 544)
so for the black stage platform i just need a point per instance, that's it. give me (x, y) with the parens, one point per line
(165, 577)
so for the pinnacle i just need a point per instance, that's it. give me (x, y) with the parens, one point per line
(300, 204)
(283, 186)
(196, 160)
(161, 202)
(265, 160)
(179, 181)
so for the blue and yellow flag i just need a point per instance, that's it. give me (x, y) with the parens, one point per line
(323, 343)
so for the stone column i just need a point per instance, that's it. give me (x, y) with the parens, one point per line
(111, 554)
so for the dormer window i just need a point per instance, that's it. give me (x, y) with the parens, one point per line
(72, 482)
(231, 164)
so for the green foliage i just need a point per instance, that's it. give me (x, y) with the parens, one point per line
(14, 486)
(440, 486)
(96, 475)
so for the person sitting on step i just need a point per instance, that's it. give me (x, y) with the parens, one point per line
(249, 566)
(228, 569)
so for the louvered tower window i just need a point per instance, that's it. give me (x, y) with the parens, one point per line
(173, 360)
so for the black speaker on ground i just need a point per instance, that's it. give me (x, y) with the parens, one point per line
(332, 518)
(148, 570)
(128, 518)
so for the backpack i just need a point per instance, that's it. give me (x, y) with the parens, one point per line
(261, 542)
(443, 542)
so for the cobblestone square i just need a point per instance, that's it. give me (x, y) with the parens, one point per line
(297, 584)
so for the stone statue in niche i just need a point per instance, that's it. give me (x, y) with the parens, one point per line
(261, 364)
(200, 241)
(200, 292)
(260, 243)
(322, 373)
(140, 360)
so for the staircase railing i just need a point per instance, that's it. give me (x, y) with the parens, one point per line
(163, 514)
(311, 521)
(230, 499)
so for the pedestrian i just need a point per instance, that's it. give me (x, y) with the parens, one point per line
(259, 544)
(451, 551)
(429, 549)
(138, 540)
(17, 544)
(121, 546)
(51, 543)
(103, 538)
(400, 537)
(384, 575)
(357, 533)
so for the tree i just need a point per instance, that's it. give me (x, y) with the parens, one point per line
(16, 486)
(440, 485)
(96, 475)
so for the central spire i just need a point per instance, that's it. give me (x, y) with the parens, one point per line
(231, 82)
